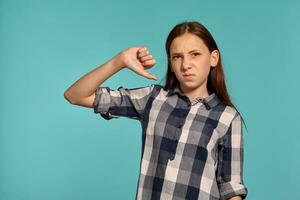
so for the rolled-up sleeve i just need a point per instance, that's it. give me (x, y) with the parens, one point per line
(230, 162)
(122, 102)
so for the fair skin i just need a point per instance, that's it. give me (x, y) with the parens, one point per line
(236, 198)
(189, 55)
(138, 59)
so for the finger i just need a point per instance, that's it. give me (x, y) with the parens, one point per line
(149, 76)
(145, 73)
(148, 57)
(142, 48)
(149, 62)
(143, 53)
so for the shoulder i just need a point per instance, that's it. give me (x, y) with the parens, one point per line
(152, 86)
(157, 86)
(146, 90)
(228, 114)
(231, 110)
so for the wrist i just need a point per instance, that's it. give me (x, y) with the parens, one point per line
(117, 62)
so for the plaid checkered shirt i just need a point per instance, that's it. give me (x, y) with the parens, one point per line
(190, 149)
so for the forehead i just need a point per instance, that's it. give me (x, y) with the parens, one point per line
(187, 42)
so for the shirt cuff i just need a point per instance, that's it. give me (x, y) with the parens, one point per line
(102, 101)
(230, 189)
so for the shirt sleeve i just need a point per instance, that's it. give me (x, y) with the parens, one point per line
(122, 102)
(230, 162)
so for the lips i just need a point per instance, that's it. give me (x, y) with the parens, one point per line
(188, 76)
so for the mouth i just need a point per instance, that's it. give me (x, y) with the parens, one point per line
(188, 76)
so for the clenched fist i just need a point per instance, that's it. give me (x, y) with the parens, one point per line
(138, 59)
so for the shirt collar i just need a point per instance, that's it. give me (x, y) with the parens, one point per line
(209, 101)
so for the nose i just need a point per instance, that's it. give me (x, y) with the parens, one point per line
(185, 64)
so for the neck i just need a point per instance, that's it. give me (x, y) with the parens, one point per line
(193, 93)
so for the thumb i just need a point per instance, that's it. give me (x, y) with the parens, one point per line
(140, 70)
(149, 76)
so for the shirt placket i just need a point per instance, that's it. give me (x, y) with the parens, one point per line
(185, 105)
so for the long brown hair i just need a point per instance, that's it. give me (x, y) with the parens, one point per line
(216, 77)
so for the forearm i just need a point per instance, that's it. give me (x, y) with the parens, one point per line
(236, 198)
(87, 84)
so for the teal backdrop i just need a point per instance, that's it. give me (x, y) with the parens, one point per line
(53, 150)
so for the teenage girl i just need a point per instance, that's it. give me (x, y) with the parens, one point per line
(192, 141)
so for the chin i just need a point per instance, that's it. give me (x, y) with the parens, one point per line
(189, 85)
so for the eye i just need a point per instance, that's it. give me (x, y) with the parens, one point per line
(196, 54)
(175, 57)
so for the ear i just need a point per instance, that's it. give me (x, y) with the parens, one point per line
(214, 58)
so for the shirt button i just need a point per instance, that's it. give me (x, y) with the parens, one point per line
(180, 125)
(176, 140)
(172, 156)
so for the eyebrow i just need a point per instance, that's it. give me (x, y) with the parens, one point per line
(177, 53)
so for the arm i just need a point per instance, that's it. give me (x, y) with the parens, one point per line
(236, 198)
(230, 162)
(82, 92)
(122, 102)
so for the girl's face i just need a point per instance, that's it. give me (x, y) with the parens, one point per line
(191, 60)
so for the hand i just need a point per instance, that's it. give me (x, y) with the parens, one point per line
(138, 59)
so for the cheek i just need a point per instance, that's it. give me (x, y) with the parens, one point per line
(202, 64)
(203, 67)
(175, 66)
(206, 61)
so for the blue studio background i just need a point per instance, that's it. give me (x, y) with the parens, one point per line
(52, 150)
